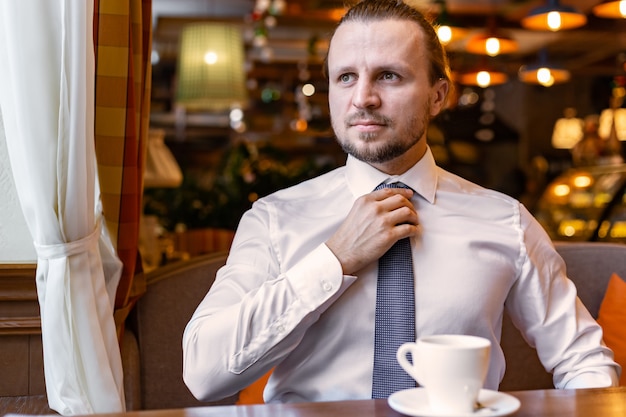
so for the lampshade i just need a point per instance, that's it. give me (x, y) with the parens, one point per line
(568, 130)
(492, 41)
(211, 73)
(447, 30)
(484, 77)
(610, 116)
(611, 9)
(554, 16)
(448, 33)
(543, 72)
(491, 44)
(161, 168)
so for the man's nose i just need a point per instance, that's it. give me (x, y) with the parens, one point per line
(365, 95)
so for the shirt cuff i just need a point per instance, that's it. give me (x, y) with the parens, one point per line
(605, 376)
(318, 277)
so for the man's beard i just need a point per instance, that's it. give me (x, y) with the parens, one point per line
(386, 151)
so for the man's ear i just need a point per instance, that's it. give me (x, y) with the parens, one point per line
(439, 93)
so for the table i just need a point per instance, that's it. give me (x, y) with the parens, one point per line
(607, 402)
(610, 402)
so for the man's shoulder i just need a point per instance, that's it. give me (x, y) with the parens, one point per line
(451, 182)
(311, 189)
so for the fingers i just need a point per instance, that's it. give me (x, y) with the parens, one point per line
(375, 222)
(395, 207)
(384, 193)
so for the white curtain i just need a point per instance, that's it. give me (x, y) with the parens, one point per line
(47, 103)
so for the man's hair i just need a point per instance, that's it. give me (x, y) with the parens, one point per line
(377, 10)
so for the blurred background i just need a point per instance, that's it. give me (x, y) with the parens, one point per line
(537, 110)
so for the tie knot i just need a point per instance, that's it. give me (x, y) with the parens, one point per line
(391, 185)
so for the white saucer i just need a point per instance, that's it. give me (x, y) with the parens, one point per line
(414, 402)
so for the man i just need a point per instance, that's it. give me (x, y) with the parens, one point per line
(298, 292)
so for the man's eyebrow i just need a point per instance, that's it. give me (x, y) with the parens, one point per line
(373, 69)
(341, 69)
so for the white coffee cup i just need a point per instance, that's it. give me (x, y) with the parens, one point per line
(452, 369)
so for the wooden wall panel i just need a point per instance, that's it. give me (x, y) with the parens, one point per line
(21, 354)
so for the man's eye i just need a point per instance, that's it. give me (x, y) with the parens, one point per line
(389, 76)
(346, 78)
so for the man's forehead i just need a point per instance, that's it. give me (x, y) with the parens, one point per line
(388, 29)
(390, 37)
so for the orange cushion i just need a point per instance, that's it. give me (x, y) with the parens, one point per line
(253, 394)
(612, 318)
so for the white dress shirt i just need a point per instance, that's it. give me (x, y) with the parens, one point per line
(281, 300)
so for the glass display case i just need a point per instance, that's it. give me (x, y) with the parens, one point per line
(586, 204)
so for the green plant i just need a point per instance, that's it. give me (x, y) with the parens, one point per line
(247, 173)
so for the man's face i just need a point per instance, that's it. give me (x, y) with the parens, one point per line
(380, 96)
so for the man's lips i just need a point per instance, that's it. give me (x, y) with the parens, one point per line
(365, 122)
(366, 125)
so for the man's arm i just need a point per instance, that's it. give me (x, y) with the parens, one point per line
(254, 315)
(544, 305)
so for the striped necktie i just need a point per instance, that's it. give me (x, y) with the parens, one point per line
(395, 315)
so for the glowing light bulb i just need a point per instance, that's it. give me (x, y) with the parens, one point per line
(561, 190)
(545, 77)
(445, 34)
(308, 90)
(483, 78)
(582, 181)
(569, 231)
(210, 57)
(554, 21)
(492, 46)
(236, 115)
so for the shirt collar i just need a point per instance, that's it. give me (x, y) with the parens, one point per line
(362, 178)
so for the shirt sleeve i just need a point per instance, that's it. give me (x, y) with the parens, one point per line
(544, 305)
(255, 314)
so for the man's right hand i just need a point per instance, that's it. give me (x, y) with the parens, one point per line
(376, 221)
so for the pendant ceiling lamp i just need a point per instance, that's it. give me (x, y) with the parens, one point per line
(613, 120)
(568, 130)
(611, 9)
(543, 72)
(447, 30)
(482, 75)
(483, 78)
(211, 72)
(554, 16)
(492, 42)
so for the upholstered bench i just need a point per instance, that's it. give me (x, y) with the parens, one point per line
(175, 290)
(152, 353)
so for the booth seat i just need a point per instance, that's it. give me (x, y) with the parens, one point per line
(175, 290)
(152, 353)
(590, 266)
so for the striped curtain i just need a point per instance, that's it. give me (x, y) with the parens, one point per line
(122, 40)
(71, 92)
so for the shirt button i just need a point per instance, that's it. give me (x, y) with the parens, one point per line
(327, 286)
(280, 328)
